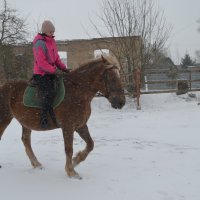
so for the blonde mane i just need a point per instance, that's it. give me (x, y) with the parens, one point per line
(110, 59)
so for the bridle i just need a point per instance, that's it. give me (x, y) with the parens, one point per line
(109, 87)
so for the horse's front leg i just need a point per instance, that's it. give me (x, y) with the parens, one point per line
(68, 141)
(85, 135)
(26, 139)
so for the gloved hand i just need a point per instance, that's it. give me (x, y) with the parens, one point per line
(66, 70)
(58, 72)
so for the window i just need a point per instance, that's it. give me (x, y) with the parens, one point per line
(99, 52)
(63, 56)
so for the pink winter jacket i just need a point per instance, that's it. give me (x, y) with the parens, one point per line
(46, 58)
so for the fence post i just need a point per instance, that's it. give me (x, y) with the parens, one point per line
(190, 79)
(136, 77)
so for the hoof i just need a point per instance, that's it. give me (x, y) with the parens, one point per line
(38, 167)
(77, 176)
(36, 164)
(74, 175)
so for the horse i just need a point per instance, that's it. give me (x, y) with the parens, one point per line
(81, 84)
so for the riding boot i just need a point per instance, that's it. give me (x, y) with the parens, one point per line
(53, 117)
(44, 121)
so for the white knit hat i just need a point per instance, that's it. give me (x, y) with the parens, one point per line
(47, 26)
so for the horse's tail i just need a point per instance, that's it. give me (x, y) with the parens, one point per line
(5, 113)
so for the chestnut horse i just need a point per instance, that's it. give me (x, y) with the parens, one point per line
(72, 114)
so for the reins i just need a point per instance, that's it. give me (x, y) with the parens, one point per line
(66, 76)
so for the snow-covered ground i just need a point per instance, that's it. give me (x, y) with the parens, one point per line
(147, 154)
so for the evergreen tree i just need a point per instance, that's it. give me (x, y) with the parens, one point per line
(187, 61)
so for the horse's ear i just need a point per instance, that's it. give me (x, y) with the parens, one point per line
(103, 59)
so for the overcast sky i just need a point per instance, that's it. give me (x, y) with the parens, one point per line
(71, 18)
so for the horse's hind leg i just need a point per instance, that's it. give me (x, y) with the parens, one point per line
(26, 139)
(85, 135)
(4, 122)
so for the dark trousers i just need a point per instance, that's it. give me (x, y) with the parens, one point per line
(46, 88)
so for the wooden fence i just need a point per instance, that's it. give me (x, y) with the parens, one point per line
(161, 81)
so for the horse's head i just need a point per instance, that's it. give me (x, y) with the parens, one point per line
(99, 75)
(112, 87)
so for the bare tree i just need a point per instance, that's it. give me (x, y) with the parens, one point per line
(197, 53)
(13, 30)
(138, 28)
(12, 27)
(198, 21)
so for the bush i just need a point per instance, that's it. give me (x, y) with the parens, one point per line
(182, 87)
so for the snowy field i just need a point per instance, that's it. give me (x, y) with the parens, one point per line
(147, 154)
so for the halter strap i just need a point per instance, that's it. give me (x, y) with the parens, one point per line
(108, 89)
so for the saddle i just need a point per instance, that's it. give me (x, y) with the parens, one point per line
(31, 96)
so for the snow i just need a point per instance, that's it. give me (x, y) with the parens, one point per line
(147, 154)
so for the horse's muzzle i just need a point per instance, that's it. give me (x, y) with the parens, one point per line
(117, 102)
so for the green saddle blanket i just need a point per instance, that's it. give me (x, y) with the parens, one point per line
(31, 97)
